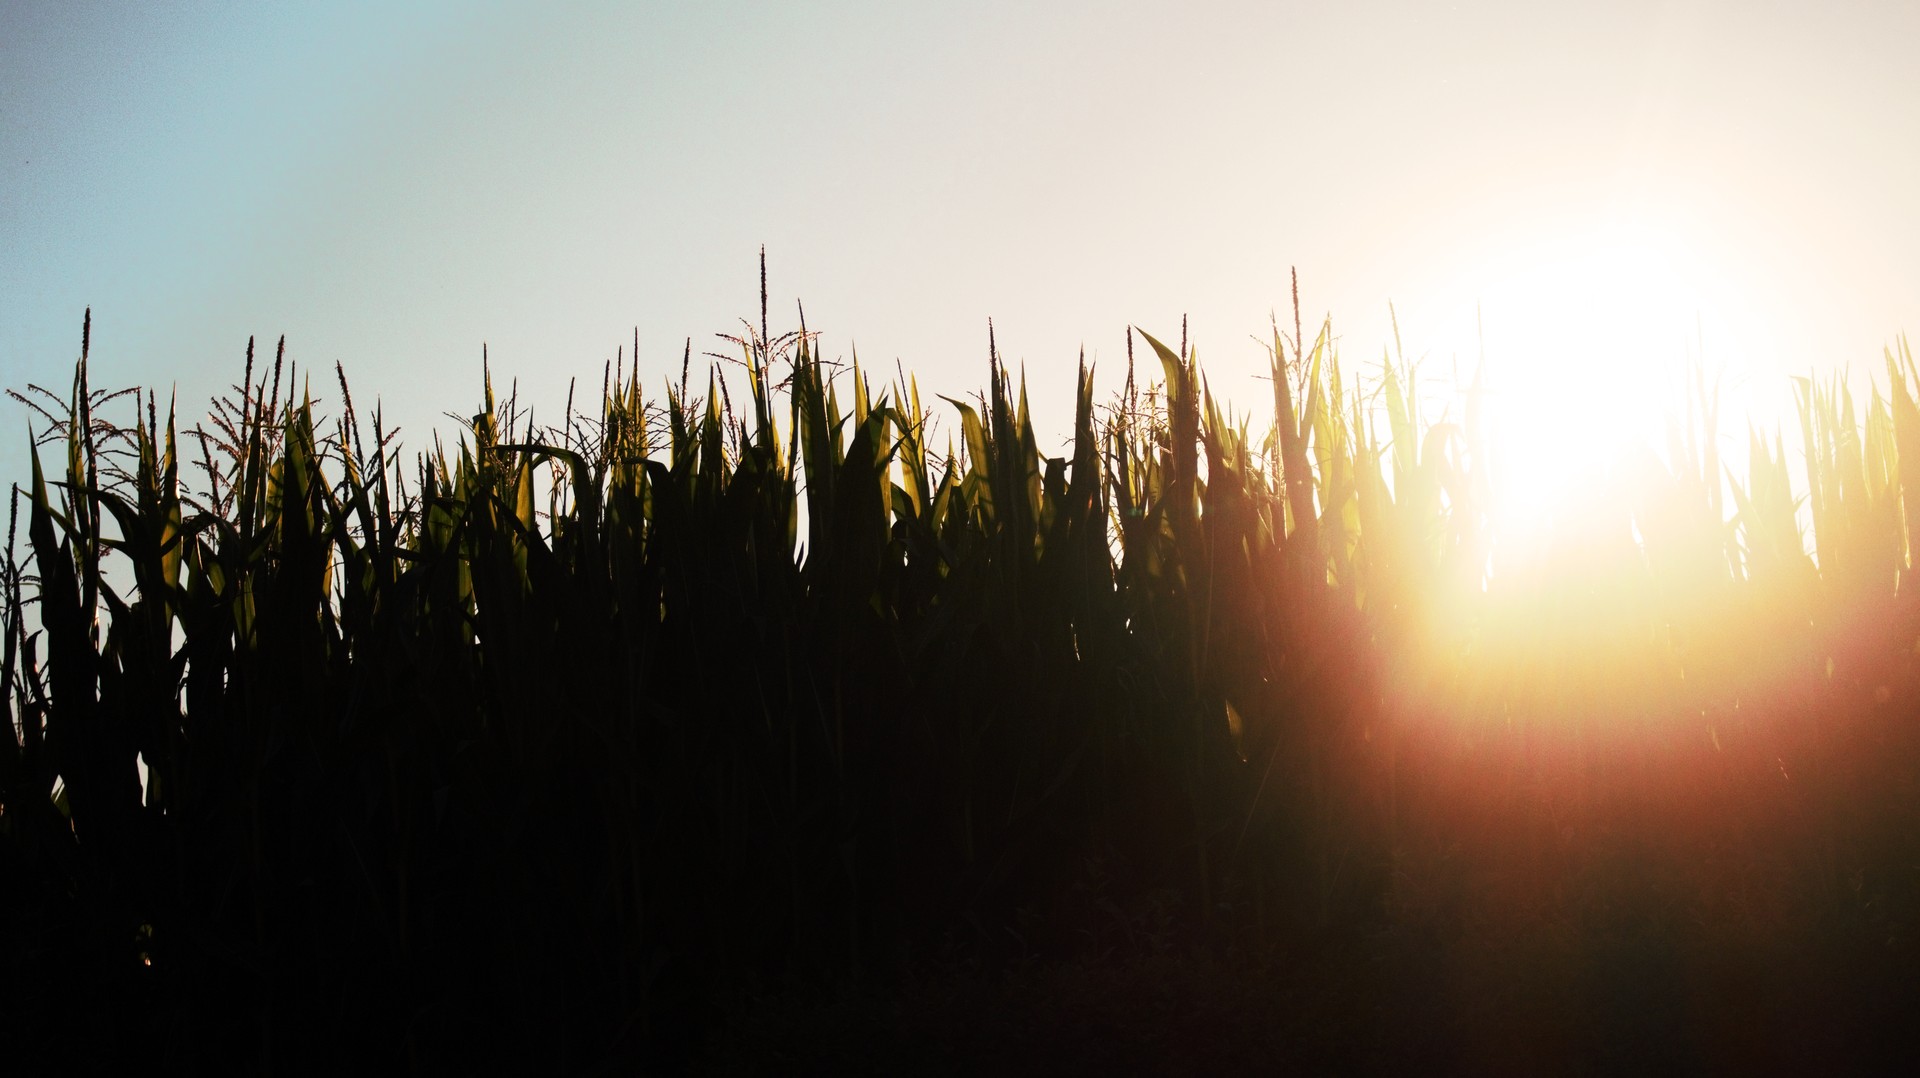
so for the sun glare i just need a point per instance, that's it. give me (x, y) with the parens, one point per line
(1588, 339)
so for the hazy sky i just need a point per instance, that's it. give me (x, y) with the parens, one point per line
(390, 190)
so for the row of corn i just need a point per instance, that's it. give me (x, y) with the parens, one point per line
(523, 754)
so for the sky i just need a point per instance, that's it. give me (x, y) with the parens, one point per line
(1588, 195)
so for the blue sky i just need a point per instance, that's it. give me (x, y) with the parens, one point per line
(393, 185)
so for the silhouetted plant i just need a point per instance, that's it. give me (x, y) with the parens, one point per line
(527, 754)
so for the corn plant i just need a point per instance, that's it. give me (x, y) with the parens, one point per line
(528, 750)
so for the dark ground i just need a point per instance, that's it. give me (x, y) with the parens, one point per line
(1632, 1002)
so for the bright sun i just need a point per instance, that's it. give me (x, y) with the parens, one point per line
(1589, 337)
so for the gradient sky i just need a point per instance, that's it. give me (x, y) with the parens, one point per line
(391, 190)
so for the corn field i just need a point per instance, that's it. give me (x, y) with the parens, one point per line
(538, 752)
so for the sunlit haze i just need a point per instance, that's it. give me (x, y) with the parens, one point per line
(1595, 197)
